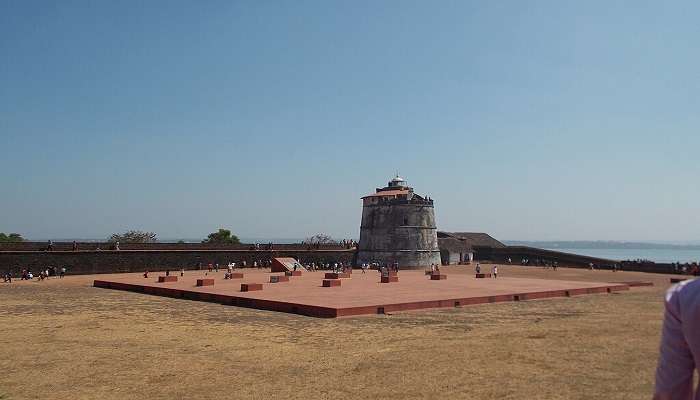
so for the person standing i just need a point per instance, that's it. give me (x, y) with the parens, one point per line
(680, 343)
(75, 246)
(494, 271)
(478, 268)
(182, 272)
(63, 272)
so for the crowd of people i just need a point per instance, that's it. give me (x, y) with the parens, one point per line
(28, 275)
(345, 243)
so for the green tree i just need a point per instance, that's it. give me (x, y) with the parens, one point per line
(320, 238)
(134, 237)
(12, 237)
(222, 236)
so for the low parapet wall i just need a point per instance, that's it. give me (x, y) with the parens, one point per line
(111, 261)
(68, 246)
(518, 253)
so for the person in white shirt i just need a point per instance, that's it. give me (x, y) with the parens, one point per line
(494, 271)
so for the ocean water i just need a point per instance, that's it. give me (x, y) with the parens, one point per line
(656, 255)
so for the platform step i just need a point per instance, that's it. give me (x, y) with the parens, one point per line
(331, 282)
(250, 287)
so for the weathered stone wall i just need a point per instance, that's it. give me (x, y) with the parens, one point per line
(57, 246)
(449, 258)
(399, 231)
(97, 262)
(517, 253)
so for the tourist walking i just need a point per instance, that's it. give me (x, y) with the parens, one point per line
(494, 271)
(680, 343)
(478, 268)
(182, 272)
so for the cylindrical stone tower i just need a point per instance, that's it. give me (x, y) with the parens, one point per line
(398, 226)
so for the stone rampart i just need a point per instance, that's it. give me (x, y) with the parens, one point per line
(111, 261)
(58, 246)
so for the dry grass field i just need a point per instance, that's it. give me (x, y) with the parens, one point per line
(63, 339)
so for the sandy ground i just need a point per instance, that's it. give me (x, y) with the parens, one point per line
(63, 339)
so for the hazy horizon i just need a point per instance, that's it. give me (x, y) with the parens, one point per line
(543, 120)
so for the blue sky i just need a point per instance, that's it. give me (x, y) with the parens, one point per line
(528, 120)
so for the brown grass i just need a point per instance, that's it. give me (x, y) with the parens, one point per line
(68, 340)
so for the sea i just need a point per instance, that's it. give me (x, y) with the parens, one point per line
(651, 254)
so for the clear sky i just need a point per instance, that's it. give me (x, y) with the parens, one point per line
(525, 119)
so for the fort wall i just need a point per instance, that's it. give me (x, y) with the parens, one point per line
(112, 261)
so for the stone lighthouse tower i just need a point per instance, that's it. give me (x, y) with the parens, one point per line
(398, 226)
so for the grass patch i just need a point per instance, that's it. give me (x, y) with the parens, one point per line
(120, 345)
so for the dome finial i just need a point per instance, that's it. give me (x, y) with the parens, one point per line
(397, 181)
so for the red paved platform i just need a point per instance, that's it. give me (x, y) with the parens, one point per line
(279, 278)
(363, 294)
(337, 275)
(637, 283)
